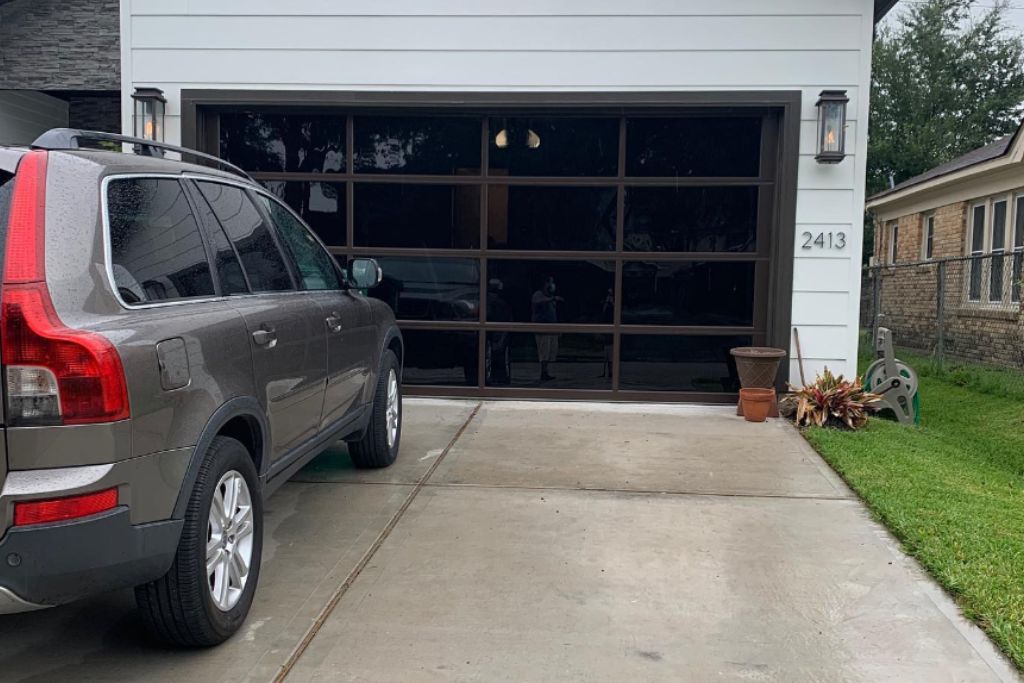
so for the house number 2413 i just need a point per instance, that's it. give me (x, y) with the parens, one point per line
(824, 240)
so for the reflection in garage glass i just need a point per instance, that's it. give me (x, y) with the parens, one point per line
(577, 361)
(554, 146)
(678, 363)
(423, 288)
(692, 146)
(691, 219)
(440, 358)
(423, 145)
(553, 218)
(688, 293)
(321, 205)
(417, 216)
(304, 143)
(547, 292)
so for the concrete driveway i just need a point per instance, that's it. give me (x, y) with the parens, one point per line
(551, 542)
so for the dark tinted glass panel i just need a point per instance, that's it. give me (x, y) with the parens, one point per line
(229, 270)
(314, 266)
(261, 259)
(539, 146)
(421, 145)
(321, 205)
(440, 358)
(572, 361)
(693, 147)
(666, 363)
(308, 143)
(423, 288)
(1018, 232)
(417, 216)
(701, 293)
(558, 218)
(691, 219)
(157, 251)
(521, 291)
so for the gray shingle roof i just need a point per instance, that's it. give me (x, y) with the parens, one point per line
(990, 151)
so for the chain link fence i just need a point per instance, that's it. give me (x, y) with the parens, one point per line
(956, 313)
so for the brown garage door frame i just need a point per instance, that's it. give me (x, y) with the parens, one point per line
(199, 130)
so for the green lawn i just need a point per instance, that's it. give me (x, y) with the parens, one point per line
(952, 490)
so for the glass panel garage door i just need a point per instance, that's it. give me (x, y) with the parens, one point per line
(549, 253)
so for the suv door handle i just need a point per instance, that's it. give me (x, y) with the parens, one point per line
(333, 322)
(265, 337)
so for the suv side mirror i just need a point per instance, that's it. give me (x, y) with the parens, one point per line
(364, 273)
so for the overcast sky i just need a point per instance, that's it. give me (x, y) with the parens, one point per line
(1014, 15)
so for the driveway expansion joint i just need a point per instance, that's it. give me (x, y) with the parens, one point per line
(340, 591)
(644, 492)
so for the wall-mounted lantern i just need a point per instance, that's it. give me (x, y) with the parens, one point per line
(150, 106)
(832, 126)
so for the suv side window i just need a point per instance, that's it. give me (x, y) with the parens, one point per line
(261, 259)
(225, 261)
(315, 266)
(157, 252)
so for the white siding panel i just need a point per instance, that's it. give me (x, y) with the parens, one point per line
(820, 308)
(598, 70)
(821, 274)
(824, 206)
(492, 7)
(824, 342)
(25, 114)
(504, 33)
(815, 176)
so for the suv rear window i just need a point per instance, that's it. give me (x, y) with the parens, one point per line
(157, 252)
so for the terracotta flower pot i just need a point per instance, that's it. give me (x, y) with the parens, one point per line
(757, 403)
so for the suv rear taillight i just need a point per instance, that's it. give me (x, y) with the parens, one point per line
(54, 374)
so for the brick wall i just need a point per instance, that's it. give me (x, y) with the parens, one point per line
(60, 45)
(992, 334)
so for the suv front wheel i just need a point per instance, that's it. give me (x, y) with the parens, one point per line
(379, 445)
(206, 594)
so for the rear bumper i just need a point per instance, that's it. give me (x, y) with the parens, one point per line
(52, 564)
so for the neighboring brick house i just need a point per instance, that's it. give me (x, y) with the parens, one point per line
(60, 65)
(956, 230)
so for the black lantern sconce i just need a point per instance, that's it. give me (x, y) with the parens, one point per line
(150, 107)
(832, 126)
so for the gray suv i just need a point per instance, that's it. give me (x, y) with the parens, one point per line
(175, 344)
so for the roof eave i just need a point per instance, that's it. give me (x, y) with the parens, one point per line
(882, 8)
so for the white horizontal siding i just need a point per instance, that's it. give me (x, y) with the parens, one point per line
(495, 8)
(25, 114)
(543, 46)
(501, 33)
(442, 69)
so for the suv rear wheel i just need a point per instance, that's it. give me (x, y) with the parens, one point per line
(206, 594)
(379, 445)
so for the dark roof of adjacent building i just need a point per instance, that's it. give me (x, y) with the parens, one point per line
(882, 8)
(991, 151)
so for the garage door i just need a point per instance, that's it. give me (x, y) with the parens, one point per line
(544, 253)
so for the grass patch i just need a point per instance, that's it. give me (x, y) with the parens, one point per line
(952, 490)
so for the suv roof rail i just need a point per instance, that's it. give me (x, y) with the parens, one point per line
(68, 138)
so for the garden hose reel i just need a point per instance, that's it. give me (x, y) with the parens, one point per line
(893, 380)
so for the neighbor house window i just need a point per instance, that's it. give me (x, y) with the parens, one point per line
(928, 237)
(1018, 249)
(998, 247)
(977, 248)
(894, 239)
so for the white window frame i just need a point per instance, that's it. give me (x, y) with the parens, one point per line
(928, 236)
(1017, 248)
(992, 250)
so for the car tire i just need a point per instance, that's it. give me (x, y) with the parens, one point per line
(379, 444)
(180, 607)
